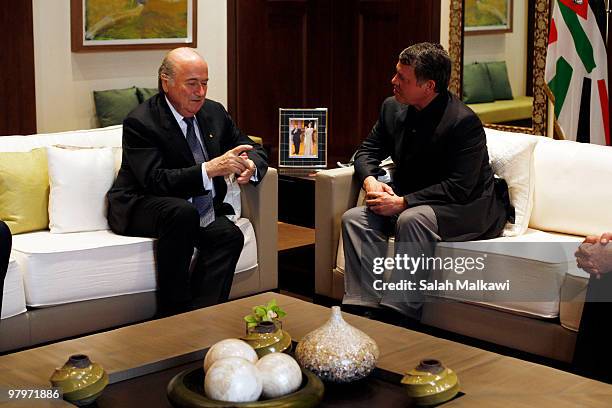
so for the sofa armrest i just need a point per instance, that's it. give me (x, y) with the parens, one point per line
(260, 206)
(336, 191)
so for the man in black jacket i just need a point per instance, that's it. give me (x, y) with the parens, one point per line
(443, 186)
(177, 149)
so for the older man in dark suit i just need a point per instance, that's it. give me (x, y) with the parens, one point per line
(443, 186)
(177, 148)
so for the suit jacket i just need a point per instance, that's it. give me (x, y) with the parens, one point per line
(296, 136)
(157, 160)
(441, 160)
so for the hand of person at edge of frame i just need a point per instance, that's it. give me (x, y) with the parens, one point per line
(229, 162)
(594, 255)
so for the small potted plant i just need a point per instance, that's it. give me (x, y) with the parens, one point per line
(264, 331)
(264, 313)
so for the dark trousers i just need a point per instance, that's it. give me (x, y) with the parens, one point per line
(6, 241)
(593, 354)
(176, 225)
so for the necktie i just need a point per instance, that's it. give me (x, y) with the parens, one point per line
(203, 203)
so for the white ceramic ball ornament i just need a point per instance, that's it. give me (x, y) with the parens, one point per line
(280, 374)
(233, 379)
(229, 348)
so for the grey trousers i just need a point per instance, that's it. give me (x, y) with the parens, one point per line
(365, 237)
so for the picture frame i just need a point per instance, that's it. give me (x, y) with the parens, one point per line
(302, 137)
(127, 25)
(488, 17)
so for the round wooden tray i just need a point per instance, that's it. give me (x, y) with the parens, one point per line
(186, 390)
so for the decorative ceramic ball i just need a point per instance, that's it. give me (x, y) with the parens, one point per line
(233, 379)
(280, 374)
(229, 348)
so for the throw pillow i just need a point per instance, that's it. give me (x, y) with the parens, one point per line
(145, 93)
(511, 156)
(24, 190)
(500, 84)
(476, 84)
(79, 180)
(113, 105)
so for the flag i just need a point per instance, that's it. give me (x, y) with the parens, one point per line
(577, 71)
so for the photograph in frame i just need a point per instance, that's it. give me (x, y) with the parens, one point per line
(132, 24)
(488, 16)
(303, 137)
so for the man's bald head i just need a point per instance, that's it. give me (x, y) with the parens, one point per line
(173, 57)
(183, 78)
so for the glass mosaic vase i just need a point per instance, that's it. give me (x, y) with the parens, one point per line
(338, 352)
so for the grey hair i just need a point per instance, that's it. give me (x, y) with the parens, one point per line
(166, 68)
(430, 62)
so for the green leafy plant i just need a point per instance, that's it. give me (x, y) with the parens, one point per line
(264, 313)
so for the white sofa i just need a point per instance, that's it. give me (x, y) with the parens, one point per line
(52, 269)
(565, 196)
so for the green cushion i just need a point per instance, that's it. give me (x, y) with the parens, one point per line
(499, 80)
(145, 93)
(113, 105)
(476, 84)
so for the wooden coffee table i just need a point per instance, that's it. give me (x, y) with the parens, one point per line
(488, 379)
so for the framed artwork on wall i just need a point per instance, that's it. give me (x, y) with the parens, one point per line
(302, 137)
(116, 25)
(488, 16)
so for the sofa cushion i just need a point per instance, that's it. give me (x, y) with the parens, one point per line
(79, 180)
(113, 105)
(146, 93)
(500, 84)
(476, 84)
(572, 187)
(537, 272)
(511, 156)
(101, 137)
(24, 190)
(13, 298)
(63, 268)
(248, 256)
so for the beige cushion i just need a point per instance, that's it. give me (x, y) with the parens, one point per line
(572, 191)
(511, 156)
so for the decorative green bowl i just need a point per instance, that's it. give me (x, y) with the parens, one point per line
(186, 390)
(431, 383)
(80, 380)
(268, 337)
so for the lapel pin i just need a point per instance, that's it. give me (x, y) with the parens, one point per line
(210, 135)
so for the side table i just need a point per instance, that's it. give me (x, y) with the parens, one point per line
(296, 196)
(296, 203)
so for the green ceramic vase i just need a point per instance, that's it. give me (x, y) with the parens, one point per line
(431, 383)
(268, 337)
(80, 380)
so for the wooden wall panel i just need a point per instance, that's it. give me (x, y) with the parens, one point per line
(17, 86)
(339, 54)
